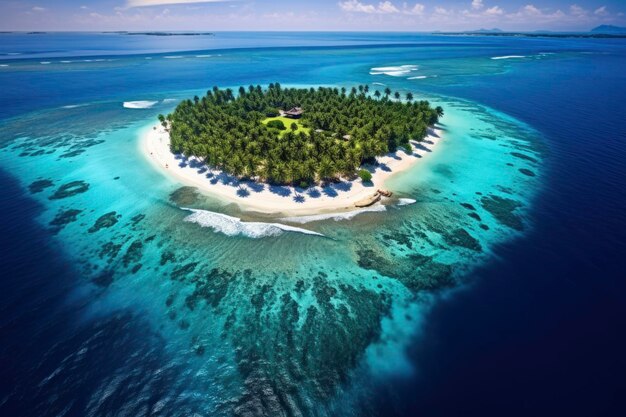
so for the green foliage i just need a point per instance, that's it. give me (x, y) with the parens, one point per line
(232, 133)
(276, 124)
(365, 175)
(271, 112)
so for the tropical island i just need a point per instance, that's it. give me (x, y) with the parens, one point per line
(297, 141)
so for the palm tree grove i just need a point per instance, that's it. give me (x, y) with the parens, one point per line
(334, 133)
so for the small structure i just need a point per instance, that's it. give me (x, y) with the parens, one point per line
(374, 198)
(294, 113)
(366, 202)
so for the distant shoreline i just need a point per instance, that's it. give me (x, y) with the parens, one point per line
(278, 199)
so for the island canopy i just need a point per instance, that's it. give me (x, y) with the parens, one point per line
(243, 134)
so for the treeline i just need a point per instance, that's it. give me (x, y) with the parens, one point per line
(346, 128)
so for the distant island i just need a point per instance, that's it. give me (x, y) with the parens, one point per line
(603, 31)
(124, 32)
(296, 150)
(609, 29)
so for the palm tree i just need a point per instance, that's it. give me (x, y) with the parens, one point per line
(409, 97)
(377, 94)
(396, 95)
(439, 111)
(387, 91)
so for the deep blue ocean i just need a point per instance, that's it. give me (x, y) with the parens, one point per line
(537, 327)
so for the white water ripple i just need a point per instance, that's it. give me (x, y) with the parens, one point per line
(141, 104)
(233, 226)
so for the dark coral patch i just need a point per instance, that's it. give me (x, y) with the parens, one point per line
(72, 154)
(461, 237)
(109, 250)
(104, 221)
(40, 185)
(70, 189)
(182, 271)
(63, 218)
(523, 156)
(136, 219)
(503, 210)
(167, 256)
(417, 272)
(184, 196)
(134, 253)
(474, 216)
(104, 279)
(527, 172)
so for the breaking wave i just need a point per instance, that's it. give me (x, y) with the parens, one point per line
(397, 71)
(508, 57)
(233, 226)
(406, 201)
(141, 104)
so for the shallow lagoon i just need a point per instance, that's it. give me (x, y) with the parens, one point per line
(271, 320)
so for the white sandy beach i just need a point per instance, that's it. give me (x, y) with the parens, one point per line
(283, 200)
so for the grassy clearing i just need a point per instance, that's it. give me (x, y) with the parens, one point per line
(287, 122)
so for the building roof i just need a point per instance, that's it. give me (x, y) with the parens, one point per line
(295, 111)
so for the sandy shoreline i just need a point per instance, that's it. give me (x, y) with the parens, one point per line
(282, 200)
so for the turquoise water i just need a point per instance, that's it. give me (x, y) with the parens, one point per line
(259, 323)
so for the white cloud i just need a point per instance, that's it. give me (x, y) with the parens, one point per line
(494, 11)
(417, 10)
(576, 10)
(147, 3)
(387, 7)
(531, 10)
(601, 11)
(84, 7)
(38, 9)
(441, 11)
(477, 4)
(355, 6)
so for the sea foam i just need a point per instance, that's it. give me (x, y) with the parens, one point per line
(141, 104)
(233, 226)
(406, 201)
(334, 216)
(508, 57)
(397, 71)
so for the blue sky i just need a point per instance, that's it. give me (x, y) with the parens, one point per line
(366, 15)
